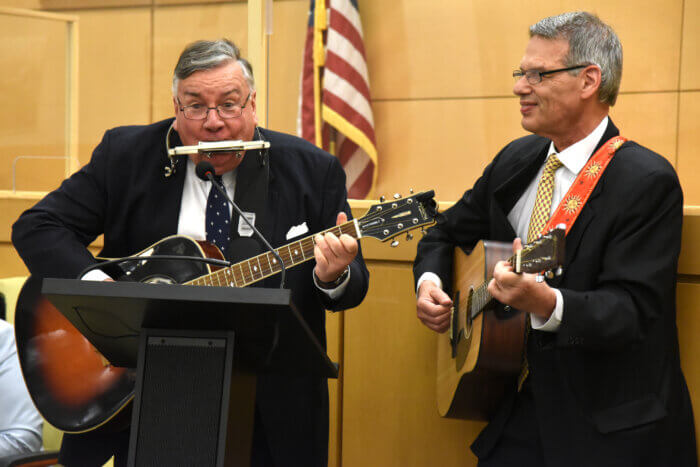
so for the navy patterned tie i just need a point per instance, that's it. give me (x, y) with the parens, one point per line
(218, 218)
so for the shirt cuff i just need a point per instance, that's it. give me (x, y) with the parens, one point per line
(429, 276)
(95, 275)
(338, 291)
(554, 322)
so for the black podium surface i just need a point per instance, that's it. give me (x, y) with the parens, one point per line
(271, 335)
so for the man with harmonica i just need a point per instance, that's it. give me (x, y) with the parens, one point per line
(136, 192)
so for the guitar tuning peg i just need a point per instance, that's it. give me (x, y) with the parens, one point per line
(549, 275)
(409, 236)
(397, 196)
(382, 199)
(558, 271)
(410, 190)
(394, 244)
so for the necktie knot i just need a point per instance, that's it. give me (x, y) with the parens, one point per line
(552, 164)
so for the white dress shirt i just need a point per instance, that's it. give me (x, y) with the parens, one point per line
(20, 422)
(573, 158)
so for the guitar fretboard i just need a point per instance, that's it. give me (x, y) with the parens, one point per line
(480, 299)
(481, 296)
(266, 264)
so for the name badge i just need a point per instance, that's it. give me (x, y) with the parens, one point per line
(244, 229)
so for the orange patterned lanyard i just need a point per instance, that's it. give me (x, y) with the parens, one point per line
(570, 206)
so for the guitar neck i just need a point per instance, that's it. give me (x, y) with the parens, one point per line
(266, 264)
(481, 297)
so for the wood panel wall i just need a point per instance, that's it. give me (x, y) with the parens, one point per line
(441, 85)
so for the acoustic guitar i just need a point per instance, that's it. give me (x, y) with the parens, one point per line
(480, 356)
(76, 389)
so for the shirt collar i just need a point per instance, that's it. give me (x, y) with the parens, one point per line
(575, 156)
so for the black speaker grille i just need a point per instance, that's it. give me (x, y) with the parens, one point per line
(181, 402)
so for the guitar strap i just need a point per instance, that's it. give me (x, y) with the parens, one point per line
(571, 205)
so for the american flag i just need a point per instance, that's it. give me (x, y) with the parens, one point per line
(335, 111)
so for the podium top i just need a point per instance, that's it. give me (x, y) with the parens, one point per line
(269, 333)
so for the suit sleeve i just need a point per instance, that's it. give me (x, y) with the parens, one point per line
(635, 285)
(334, 200)
(52, 237)
(463, 225)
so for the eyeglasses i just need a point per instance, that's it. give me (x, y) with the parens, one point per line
(225, 110)
(535, 77)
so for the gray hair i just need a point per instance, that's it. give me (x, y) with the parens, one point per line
(591, 42)
(205, 55)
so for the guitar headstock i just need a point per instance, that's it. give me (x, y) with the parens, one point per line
(544, 254)
(386, 220)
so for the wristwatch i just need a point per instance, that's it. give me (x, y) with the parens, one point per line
(335, 283)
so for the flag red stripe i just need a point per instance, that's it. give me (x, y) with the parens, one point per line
(346, 150)
(308, 122)
(346, 29)
(342, 68)
(350, 114)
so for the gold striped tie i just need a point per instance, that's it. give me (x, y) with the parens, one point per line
(540, 215)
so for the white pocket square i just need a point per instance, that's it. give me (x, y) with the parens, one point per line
(297, 230)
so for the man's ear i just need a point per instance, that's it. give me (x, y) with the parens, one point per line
(176, 108)
(591, 80)
(253, 107)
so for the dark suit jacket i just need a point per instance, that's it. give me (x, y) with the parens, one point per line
(608, 387)
(124, 194)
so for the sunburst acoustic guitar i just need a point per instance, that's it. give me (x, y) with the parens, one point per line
(76, 389)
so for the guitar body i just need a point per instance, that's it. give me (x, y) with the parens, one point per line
(474, 374)
(72, 384)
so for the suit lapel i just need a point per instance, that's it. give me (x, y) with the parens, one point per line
(510, 191)
(170, 196)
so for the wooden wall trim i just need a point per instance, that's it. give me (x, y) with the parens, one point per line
(38, 14)
(104, 4)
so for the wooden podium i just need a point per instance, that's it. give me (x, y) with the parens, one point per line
(197, 351)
